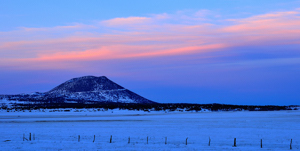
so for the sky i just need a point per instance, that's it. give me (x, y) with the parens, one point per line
(173, 51)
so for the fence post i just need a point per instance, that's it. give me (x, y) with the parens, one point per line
(260, 143)
(128, 140)
(110, 140)
(291, 143)
(78, 138)
(209, 141)
(186, 141)
(24, 138)
(29, 136)
(94, 138)
(166, 140)
(234, 142)
(147, 139)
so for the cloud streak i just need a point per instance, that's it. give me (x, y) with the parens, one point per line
(126, 21)
(153, 36)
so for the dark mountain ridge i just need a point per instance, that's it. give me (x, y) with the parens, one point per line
(84, 90)
(86, 84)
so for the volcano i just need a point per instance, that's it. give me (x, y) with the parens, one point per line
(91, 88)
(86, 89)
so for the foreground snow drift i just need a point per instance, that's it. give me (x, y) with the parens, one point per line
(165, 131)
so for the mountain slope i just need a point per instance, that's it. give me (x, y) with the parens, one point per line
(86, 84)
(87, 89)
(91, 88)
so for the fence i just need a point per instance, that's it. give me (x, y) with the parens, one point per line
(157, 140)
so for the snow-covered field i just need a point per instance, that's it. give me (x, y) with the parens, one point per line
(60, 130)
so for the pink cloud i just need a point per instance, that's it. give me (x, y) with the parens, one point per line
(124, 51)
(148, 37)
(279, 22)
(126, 21)
(277, 28)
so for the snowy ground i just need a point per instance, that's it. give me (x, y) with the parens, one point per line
(60, 130)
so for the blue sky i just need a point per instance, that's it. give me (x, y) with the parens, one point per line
(36, 13)
(237, 52)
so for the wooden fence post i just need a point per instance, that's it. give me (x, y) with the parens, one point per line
(260, 143)
(147, 139)
(166, 140)
(186, 141)
(110, 140)
(94, 138)
(209, 141)
(24, 138)
(128, 140)
(29, 136)
(291, 143)
(234, 142)
(78, 138)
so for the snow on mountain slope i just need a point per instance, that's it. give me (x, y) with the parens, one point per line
(86, 84)
(87, 88)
